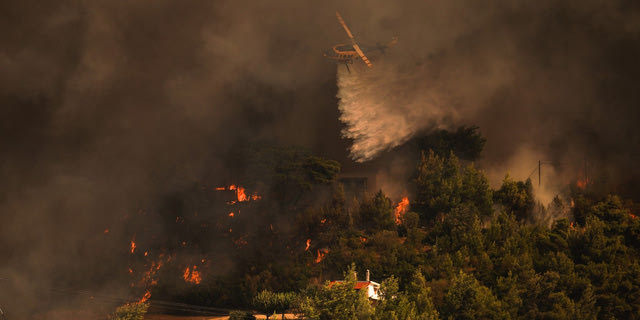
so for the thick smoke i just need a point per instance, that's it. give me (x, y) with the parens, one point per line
(550, 82)
(108, 106)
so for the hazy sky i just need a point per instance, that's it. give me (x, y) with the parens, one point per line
(106, 103)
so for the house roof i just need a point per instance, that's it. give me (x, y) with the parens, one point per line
(358, 285)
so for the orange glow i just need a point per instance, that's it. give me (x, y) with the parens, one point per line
(241, 194)
(323, 221)
(192, 275)
(363, 239)
(308, 244)
(633, 216)
(581, 184)
(241, 242)
(145, 297)
(133, 244)
(321, 255)
(145, 253)
(106, 231)
(231, 214)
(401, 209)
(130, 270)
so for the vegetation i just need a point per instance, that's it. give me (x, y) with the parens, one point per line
(241, 315)
(463, 251)
(130, 311)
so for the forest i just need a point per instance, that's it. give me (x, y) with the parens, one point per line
(458, 250)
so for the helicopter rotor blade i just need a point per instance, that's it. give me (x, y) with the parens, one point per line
(353, 41)
(364, 58)
(344, 25)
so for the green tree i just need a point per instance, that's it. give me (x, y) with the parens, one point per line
(442, 185)
(338, 301)
(267, 302)
(516, 197)
(130, 311)
(466, 142)
(420, 295)
(468, 299)
(377, 213)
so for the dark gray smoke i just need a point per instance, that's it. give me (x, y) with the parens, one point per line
(107, 105)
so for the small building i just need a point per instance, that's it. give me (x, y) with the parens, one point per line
(372, 287)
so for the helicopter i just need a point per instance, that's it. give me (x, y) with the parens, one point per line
(348, 53)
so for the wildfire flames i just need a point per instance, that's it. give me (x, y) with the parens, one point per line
(191, 275)
(133, 244)
(308, 244)
(241, 194)
(145, 297)
(582, 183)
(401, 209)
(321, 254)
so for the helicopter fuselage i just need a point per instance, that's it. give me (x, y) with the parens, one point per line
(344, 53)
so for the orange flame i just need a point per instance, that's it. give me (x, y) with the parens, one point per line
(582, 183)
(241, 194)
(145, 297)
(308, 244)
(133, 244)
(192, 275)
(401, 209)
(231, 214)
(106, 231)
(321, 254)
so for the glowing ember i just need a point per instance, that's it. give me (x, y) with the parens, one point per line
(323, 221)
(308, 244)
(146, 253)
(401, 209)
(241, 242)
(633, 216)
(363, 239)
(192, 275)
(145, 297)
(321, 254)
(231, 214)
(221, 189)
(106, 231)
(133, 244)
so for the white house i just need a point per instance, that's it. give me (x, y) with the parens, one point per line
(372, 287)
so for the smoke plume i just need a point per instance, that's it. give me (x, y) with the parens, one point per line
(106, 107)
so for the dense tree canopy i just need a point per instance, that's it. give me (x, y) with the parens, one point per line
(462, 251)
